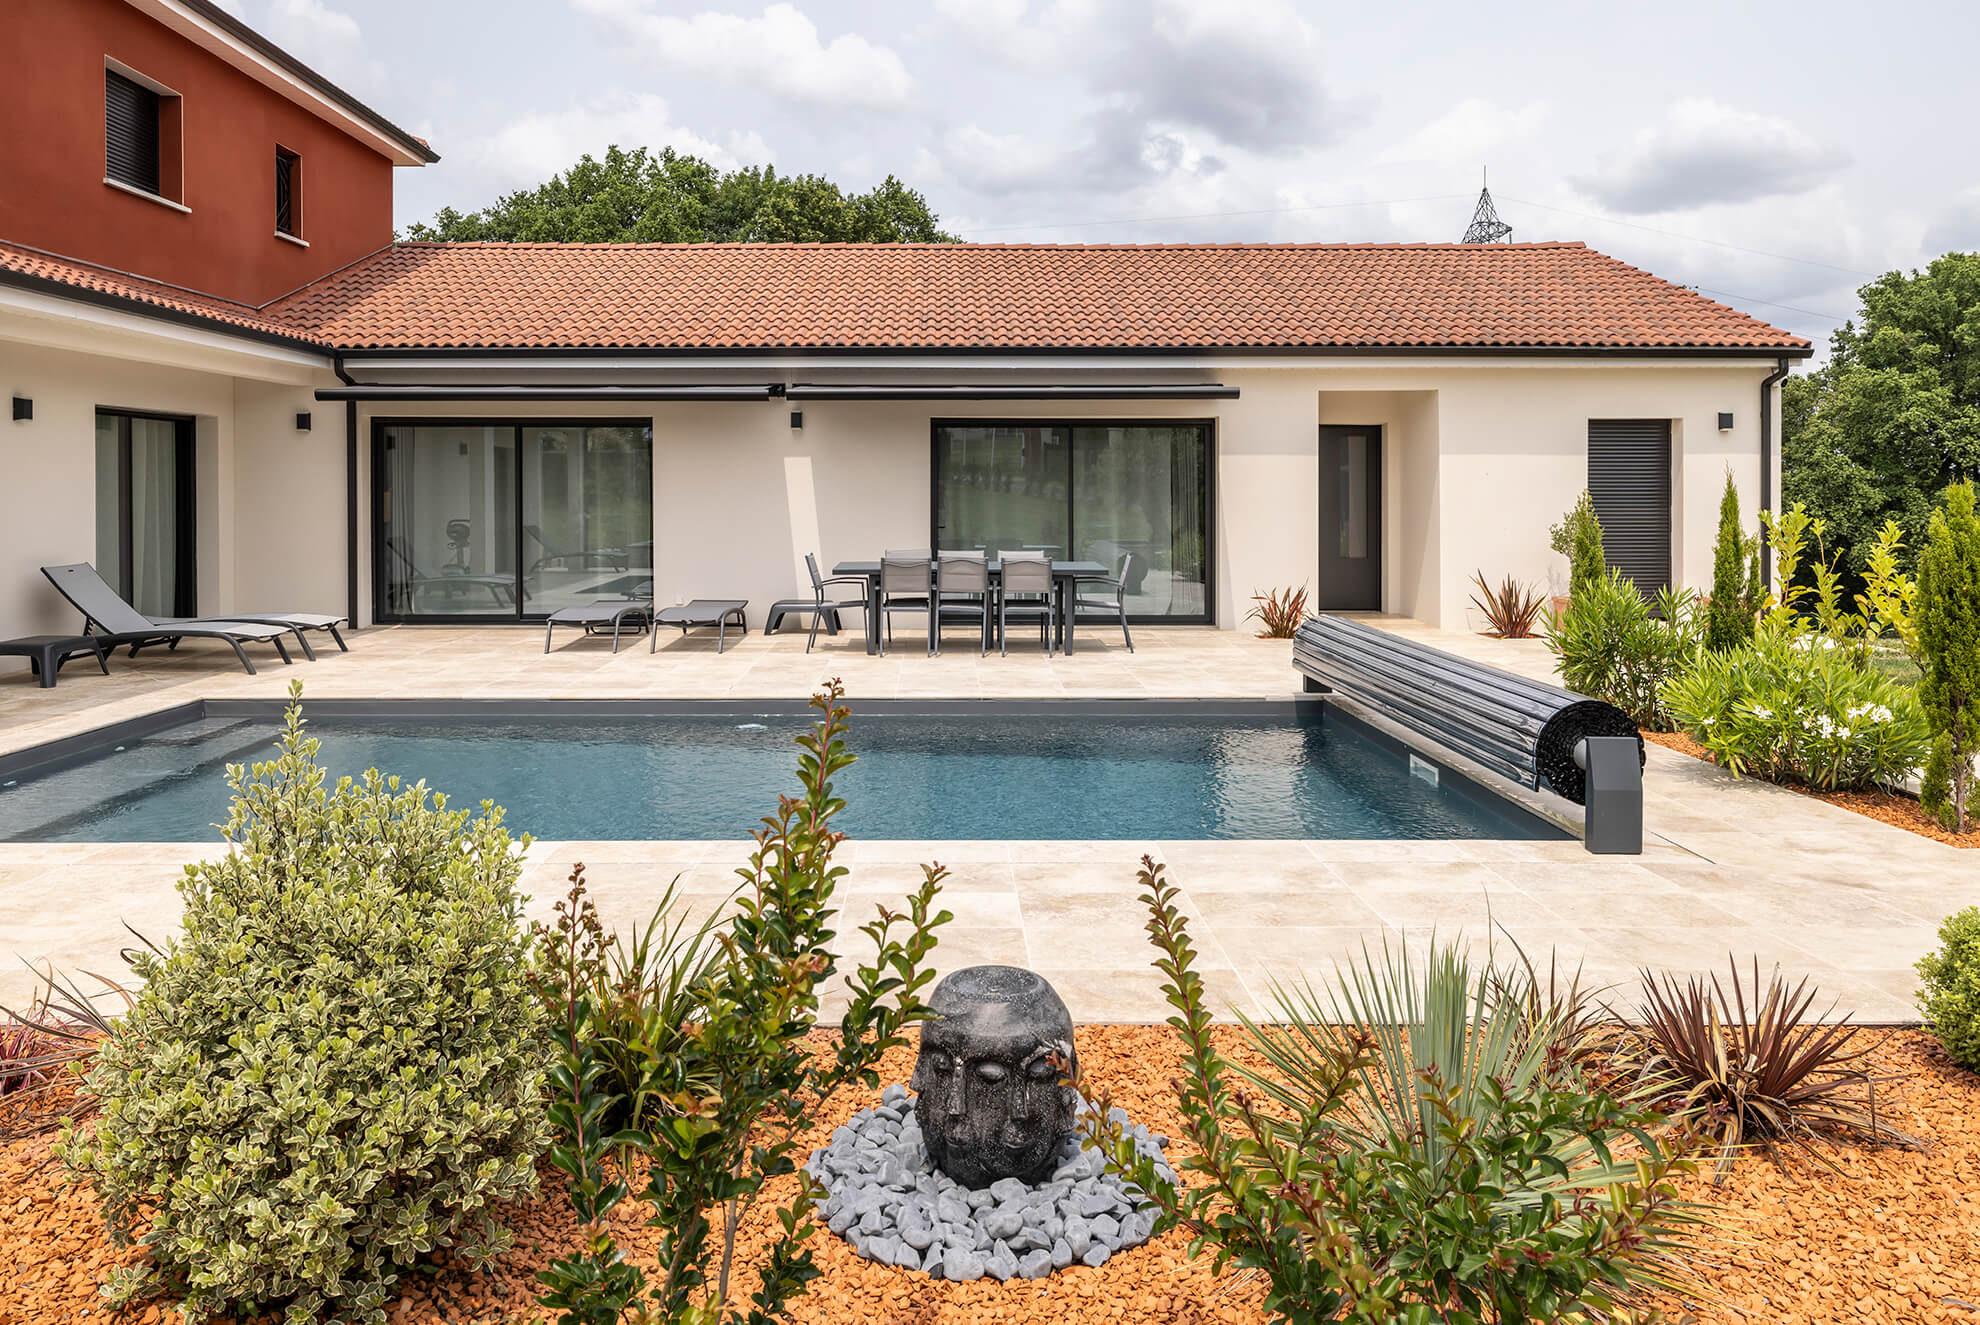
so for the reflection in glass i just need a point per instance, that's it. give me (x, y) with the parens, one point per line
(1354, 496)
(587, 515)
(1000, 487)
(143, 543)
(448, 520)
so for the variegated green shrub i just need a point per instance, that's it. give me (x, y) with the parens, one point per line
(337, 1067)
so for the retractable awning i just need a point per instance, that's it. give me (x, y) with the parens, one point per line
(966, 391)
(431, 391)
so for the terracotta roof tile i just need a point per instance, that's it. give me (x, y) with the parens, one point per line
(973, 296)
(104, 280)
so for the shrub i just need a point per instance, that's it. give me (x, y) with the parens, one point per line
(1752, 1067)
(1278, 613)
(1949, 993)
(1578, 537)
(1511, 611)
(744, 1084)
(1408, 1153)
(1729, 620)
(1797, 708)
(337, 1067)
(1947, 632)
(1610, 645)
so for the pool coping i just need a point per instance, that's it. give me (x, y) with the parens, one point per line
(1481, 783)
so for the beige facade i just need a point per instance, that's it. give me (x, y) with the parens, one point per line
(1481, 455)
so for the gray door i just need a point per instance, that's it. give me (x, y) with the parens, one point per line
(1350, 519)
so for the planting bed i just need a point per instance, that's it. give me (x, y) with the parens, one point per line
(1898, 811)
(1893, 1237)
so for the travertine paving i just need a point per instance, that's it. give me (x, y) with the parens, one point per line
(1730, 866)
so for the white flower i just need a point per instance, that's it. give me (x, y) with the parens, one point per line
(1762, 713)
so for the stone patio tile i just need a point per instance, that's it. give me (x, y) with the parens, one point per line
(900, 878)
(1132, 995)
(1380, 850)
(1324, 903)
(860, 851)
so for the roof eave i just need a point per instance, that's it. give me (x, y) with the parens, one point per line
(162, 312)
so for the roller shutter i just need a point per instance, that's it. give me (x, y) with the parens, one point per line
(1629, 479)
(130, 118)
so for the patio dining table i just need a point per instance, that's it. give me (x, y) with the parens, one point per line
(1063, 574)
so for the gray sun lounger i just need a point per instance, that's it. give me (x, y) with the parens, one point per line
(296, 622)
(720, 613)
(108, 617)
(597, 617)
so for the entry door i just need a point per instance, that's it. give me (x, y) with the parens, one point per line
(1350, 519)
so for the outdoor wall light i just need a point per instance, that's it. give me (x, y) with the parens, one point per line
(1725, 423)
(302, 420)
(797, 418)
(23, 409)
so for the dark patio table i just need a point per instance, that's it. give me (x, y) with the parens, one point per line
(1063, 574)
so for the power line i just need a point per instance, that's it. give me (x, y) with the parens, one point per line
(1211, 216)
(1749, 299)
(1695, 239)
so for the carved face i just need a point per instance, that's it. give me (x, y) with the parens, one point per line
(987, 1091)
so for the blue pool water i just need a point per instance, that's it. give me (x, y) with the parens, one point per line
(1110, 776)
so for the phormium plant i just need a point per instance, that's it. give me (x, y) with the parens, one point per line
(1511, 611)
(1278, 612)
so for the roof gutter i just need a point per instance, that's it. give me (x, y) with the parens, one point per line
(424, 392)
(1767, 502)
(1129, 391)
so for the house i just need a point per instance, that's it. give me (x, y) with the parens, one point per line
(234, 391)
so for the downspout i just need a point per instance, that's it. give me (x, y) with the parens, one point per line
(350, 493)
(1767, 384)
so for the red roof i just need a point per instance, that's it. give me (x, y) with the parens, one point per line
(41, 266)
(991, 296)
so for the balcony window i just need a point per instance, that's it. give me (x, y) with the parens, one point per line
(288, 193)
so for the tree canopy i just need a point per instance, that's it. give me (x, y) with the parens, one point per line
(638, 197)
(1894, 415)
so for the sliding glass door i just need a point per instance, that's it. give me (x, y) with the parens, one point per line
(144, 510)
(503, 521)
(1134, 494)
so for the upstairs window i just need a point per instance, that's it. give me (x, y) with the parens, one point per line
(131, 120)
(142, 136)
(288, 193)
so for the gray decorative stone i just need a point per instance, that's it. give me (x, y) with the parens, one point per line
(1035, 1264)
(988, 1097)
(1096, 1256)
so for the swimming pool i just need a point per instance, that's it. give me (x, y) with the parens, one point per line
(964, 771)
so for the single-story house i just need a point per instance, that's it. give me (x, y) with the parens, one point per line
(226, 414)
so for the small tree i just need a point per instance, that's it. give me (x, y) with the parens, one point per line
(1730, 621)
(1578, 537)
(1947, 624)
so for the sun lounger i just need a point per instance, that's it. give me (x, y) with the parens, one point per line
(716, 612)
(298, 622)
(501, 587)
(114, 621)
(596, 617)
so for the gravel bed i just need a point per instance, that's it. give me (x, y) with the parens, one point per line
(889, 1201)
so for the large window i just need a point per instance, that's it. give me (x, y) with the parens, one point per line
(1129, 493)
(144, 510)
(496, 520)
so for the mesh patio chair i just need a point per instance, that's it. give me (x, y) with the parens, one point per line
(1028, 576)
(907, 585)
(1117, 604)
(822, 608)
(962, 590)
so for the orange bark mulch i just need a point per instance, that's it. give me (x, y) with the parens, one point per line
(1894, 1238)
(1897, 811)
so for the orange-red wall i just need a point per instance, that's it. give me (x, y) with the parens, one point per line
(52, 194)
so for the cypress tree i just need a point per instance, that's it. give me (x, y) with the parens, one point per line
(1947, 620)
(1729, 623)
(1578, 537)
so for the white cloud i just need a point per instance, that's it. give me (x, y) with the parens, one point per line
(327, 40)
(1050, 35)
(1468, 133)
(1957, 227)
(779, 50)
(527, 151)
(1705, 152)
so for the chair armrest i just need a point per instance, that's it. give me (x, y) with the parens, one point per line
(1110, 581)
(844, 579)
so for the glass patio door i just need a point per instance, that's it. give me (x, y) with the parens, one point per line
(504, 521)
(144, 510)
(1123, 494)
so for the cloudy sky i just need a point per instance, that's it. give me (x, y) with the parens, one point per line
(1773, 158)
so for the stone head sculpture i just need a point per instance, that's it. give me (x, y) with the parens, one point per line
(987, 1087)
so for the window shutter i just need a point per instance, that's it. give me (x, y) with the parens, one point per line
(1629, 480)
(130, 117)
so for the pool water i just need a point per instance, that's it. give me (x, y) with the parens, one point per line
(1084, 775)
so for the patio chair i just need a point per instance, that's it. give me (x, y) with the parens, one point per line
(295, 622)
(611, 557)
(1029, 576)
(108, 617)
(1116, 604)
(501, 586)
(962, 589)
(822, 609)
(907, 585)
